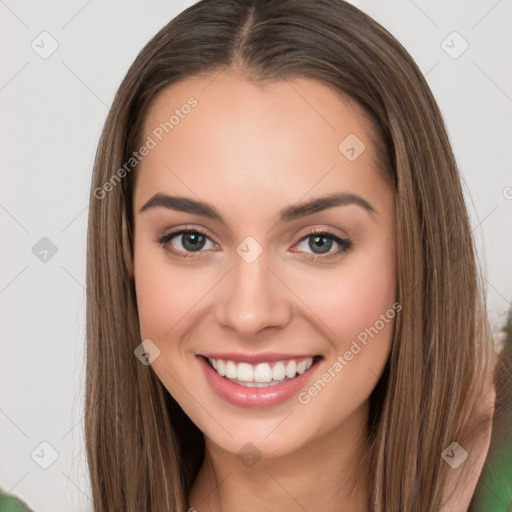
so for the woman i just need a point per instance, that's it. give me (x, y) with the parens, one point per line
(284, 310)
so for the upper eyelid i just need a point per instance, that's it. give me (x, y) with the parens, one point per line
(179, 231)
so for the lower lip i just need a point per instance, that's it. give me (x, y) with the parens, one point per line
(243, 396)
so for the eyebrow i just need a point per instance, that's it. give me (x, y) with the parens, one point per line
(290, 213)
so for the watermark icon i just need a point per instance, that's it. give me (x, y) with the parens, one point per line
(45, 45)
(249, 249)
(146, 352)
(44, 250)
(507, 193)
(454, 455)
(351, 147)
(249, 455)
(44, 455)
(304, 397)
(454, 45)
(157, 135)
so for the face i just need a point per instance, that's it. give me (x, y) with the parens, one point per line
(264, 246)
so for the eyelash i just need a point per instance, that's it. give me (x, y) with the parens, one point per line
(345, 244)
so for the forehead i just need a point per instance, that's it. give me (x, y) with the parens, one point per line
(290, 136)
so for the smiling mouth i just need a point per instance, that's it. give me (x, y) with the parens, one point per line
(261, 375)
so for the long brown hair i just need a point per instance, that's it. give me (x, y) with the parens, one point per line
(143, 451)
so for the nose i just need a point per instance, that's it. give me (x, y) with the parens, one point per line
(253, 299)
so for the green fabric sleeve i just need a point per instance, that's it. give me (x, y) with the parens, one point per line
(494, 490)
(495, 486)
(9, 503)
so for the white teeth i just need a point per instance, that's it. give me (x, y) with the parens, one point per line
(221, 367)
(244, 372)
(230, 369)
(259, 384)
(279, 371)
(291, 369)
(262, 374)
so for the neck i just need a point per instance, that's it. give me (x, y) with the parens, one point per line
(320, 475)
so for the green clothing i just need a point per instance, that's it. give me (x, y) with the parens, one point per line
(9, 503)
(494, 489)
(496, 493)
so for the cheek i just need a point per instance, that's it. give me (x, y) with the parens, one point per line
(164, 292)
(360, 300)
(357, 304)
(352, 297)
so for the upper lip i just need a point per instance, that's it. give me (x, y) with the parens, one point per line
(255, 358)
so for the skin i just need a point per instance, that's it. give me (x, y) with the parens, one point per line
(250, 152)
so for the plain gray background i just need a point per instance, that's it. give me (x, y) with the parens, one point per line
(52, 112)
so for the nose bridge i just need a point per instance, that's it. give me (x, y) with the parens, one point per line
(254, 298)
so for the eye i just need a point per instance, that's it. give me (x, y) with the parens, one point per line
(185, 241)
(322, 243)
